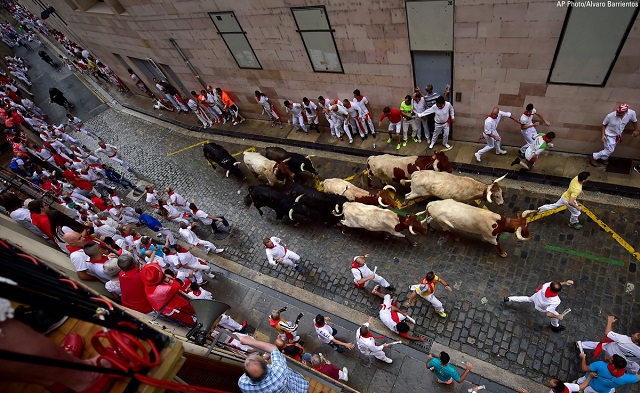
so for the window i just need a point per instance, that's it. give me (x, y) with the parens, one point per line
(317, 36)
(589, 45)
(235, 39)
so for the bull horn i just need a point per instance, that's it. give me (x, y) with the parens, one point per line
(302, 167)
(227, 173)
(411, 230)
(423, 221)
(389, 187)
(291, 214)
(298, 198)
(420, 213)
(519, 234)
(447, 149)
(380, 202)
(237, 163)
(404, 181)
(500, 178)
(527, 212)
(286, 159)
(489, 195)
(310, 155)
(435, 166)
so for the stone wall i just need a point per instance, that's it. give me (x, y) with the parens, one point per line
(503, 54)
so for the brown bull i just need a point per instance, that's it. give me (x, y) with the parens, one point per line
(389, 168)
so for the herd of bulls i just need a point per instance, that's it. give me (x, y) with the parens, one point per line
(343, 203)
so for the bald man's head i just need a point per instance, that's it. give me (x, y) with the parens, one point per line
(74, 239)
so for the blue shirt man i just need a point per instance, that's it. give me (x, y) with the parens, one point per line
(611, 375)
(445, 372)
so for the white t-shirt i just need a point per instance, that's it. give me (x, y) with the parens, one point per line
(311, 109)
(527, 120)
(204, 294)
(188, 235)
(361, 272)
(324, 333)
(113, 286)
(615, 125)
(97, 269)
(296, 109)
(171, 211)
(264, 101)
(203, 217)
(543, 303)
(442, 115)
(276, 252)
(385, 314)
(491, 124)
(623, 346)
(177, 199)
(362, 104)
(573, 387)
(152, 198)
(367, 345)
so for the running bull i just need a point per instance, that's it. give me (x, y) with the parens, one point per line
(375, 219)
(388, 168)
(284, 205)
(448, 186)
(297, 162)
(320, 203)
(217, 154)
(356, 194)
(275, 172)
(452, 215)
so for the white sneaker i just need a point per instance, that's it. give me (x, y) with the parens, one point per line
(431, 145)
(346, 374)
(350, 141)
(207, 250)
(224, 121)
(211, 275)
(235, 123)
(219, 250)
(478, 157)
(388, 360)
(296, 339)
(501, 152)
(579, 345)
(448, 146)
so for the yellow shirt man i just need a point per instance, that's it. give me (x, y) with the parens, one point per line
(568, 199)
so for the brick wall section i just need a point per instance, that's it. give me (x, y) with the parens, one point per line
(503, 54)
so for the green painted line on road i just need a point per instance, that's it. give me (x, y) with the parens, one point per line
(585, 255)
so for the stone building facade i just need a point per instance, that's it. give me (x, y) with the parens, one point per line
(502, 53)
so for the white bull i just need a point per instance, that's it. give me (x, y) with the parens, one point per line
(351, 192)
(262, 166)
(444, 185)
(375, 219)
(451, 215)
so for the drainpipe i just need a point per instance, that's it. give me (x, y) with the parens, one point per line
(186, 60)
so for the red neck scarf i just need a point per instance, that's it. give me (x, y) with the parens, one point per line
(549, 293)
(368, 335)
(614, 371)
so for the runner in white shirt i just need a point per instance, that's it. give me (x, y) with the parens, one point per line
(297, 115)
(277, 252)
(362, 274)
(326, 334)
(208, 219)
(112, 152)
(78, 125)
(367, 344)
(419, 105)
(528, 126)
(268, 108)
(490, 133)
(617, 344)
(171, 213)
(353, 120)
(192, 264)
(152, 197)
(612, 127)
(394, 318)
(191, 238)
(339, 118)
(178, 201)
(444, 114)
(545, 300)
(200, 113)
(323, 104)
(312, 113)
(366, 115)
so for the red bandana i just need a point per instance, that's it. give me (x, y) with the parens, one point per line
(549, 293)
(614, 371)
(368, 335)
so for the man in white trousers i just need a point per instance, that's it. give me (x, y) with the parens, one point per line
(426, 290)
(191, 238)
(419, 105)
(616, 344)
(297, 115)
(444, 114)
(339, 118)
(546, 300)
(362, 274)
(528, 126)
(277, 252)
(312, 113)
(78, 126)
(112, 153)
(178, 201)
(367, 343)
(612, 127)
(568, 199)
(197, 109)
(366, 116)
(490, 132)
(323, 104)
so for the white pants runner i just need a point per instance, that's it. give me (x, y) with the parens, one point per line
(529, 134)
(491, 143)
(609, 146)
(443, 129)
(575, 213)
(529, 299)
(290, 258)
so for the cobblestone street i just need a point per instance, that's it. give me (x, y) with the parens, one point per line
(514, 336)
(511, 336)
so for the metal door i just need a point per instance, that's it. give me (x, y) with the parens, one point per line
(434, 68)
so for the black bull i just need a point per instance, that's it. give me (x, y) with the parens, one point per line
(321, 204)
(283, 205)
(297, 162)
(217, 154)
